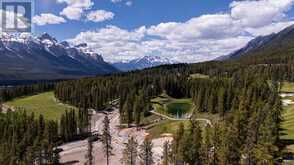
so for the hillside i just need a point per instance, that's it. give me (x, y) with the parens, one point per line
(276, 48)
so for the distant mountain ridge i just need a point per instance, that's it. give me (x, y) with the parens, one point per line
(31, 58)
(142, 63)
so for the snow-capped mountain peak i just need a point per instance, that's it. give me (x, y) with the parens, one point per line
(47, 40)
(142, 63)
(155, 59)
(46, 36)
(65, 44)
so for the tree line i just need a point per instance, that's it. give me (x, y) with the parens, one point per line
(8, 93)
(26, 139)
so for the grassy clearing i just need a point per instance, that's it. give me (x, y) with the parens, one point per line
(288, 124)
(287, 87)
(150, 119)
(173, 107)
(288, 163)
(169, 127)
(44, 103)
(166, 126)
(198, 75)
(288, 117)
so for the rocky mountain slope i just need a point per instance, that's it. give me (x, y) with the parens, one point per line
(32, 58)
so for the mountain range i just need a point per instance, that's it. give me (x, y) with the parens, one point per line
(43, 57)
(142, 63)
(33, 58)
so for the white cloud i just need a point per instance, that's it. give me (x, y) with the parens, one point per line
(47, 18)
(116, 1)
(200, 38)
(118, 44)
(72, 13)
(126, 2)
(272, 28)
(75, 8)
(84, 4)
(129, 3)
(259, 13)
(206, 26)
(100, 16)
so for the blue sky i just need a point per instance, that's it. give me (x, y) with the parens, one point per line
(183, 31)
(140, 13)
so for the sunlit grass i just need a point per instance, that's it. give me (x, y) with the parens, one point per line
(44, 103)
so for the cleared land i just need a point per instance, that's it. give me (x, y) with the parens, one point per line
(287, 132)
(177, 108)
(44, 103)
(287, 87)
(288, 124)
(166, 127)
(288, 113)
(198, 75)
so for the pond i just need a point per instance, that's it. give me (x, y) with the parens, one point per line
(179, 110)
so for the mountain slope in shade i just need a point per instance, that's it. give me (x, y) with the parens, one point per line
(142, 63)
(251, 46)
(23, 58)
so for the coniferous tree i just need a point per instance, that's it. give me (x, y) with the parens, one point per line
(106, 139)
(137, 111)
(89, 155)
(191, 145)
(146, 154)
(176, 144)
(207, 145)
(166, 153)
(130, 152)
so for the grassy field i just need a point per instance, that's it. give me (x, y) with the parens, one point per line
(198, 75)
(288, 120)
(173, 107)
(287, 87)
(169, 127)
(44, 104)
(288, 113)
(288, 124)
(166, 126)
